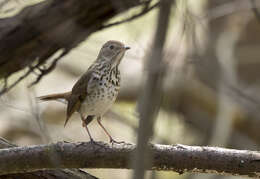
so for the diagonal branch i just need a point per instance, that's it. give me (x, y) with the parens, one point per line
(177, 158)
(39, 31)
(144, 11)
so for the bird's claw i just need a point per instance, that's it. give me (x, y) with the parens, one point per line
(92, 141)
(112, 141)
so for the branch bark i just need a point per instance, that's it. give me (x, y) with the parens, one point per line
(57, 173)
(179, 158)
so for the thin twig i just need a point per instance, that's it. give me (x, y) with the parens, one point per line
(7, 88)
(34, 107)
(49, 69)
(144, 11)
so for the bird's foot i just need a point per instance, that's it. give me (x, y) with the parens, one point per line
(112, 141)
(93, 142)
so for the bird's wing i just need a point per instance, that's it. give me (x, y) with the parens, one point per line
(80, 90)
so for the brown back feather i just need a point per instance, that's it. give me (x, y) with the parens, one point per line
(78, 95)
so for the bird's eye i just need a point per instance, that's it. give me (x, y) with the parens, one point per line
(111, 47)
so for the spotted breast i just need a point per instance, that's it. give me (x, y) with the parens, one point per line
(104, 86)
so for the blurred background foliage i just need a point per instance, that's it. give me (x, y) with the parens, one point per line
(210, 86)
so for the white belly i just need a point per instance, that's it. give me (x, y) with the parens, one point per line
(99, 101)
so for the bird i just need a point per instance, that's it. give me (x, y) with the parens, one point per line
(97, 89)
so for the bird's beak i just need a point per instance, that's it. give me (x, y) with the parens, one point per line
(127, 48)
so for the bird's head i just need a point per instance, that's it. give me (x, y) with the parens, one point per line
(112, 52)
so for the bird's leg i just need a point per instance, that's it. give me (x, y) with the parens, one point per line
(111, 139)
(85, 122)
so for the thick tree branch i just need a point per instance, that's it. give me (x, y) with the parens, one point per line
(31, 37)
(177, 158)
(57, 173)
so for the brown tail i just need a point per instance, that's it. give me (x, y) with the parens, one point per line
(55, 96)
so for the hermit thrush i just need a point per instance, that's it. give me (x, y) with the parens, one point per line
(97, 89)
